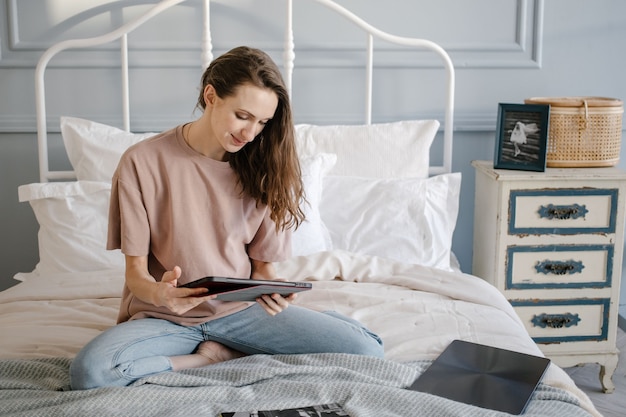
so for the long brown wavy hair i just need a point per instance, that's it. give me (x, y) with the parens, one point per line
(268, 167)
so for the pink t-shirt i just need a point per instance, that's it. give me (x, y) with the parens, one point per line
(182, 208)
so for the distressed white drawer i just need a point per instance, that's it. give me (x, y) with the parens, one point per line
(562, 211)
(552, 242)
(559, 266)
(557, 321)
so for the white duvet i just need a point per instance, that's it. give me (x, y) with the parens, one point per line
(416, 310)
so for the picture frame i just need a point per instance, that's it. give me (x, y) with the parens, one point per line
(522, 136)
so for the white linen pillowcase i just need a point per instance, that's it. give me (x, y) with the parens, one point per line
(411, 220)
(384, 150)
(94, 149)
(312, 236)
(73, 223)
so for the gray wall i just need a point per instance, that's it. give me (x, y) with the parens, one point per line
(504, 51)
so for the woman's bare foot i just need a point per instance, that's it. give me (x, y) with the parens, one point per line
(208, 353)
(217, 352)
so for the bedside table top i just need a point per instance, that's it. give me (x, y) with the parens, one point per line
(556, 173)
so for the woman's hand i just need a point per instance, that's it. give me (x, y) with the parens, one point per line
(179, 300)
(271, 303)
(164, 293)
(275, 303)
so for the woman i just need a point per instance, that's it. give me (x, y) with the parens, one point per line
(217, 196)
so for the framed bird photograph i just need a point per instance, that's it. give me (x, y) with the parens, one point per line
(522, 136)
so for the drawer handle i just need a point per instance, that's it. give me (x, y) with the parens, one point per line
(555, 321)
(559, 267)
(552, 212)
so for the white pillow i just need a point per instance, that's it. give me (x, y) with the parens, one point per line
(385, 150)
(410, 219)
(95, 149)
(73, 220)
(312, 236)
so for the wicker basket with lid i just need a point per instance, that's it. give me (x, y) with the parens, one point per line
(584, 131)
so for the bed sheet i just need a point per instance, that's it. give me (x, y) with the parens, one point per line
(416, 310)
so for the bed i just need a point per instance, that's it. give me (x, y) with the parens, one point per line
(376, 246)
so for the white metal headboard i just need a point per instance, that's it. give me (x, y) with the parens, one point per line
(289, 57)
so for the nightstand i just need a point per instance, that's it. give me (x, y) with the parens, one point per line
(552, 243)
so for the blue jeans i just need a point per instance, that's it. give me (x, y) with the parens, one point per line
(138, 348)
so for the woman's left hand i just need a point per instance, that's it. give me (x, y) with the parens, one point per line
(272, 303)
(275, 303)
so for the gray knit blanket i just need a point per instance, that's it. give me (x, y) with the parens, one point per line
(364, 386)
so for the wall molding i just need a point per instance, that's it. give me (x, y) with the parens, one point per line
(524, 51)
(464, 122)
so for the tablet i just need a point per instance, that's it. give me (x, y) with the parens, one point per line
(485, 376)
(238, 289)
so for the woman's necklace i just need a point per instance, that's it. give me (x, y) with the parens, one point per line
(187, 134)
(187, 138)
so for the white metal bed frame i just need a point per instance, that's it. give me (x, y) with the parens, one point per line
(206, 57)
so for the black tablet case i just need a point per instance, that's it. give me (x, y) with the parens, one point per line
(240, 289)
(483, 376)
